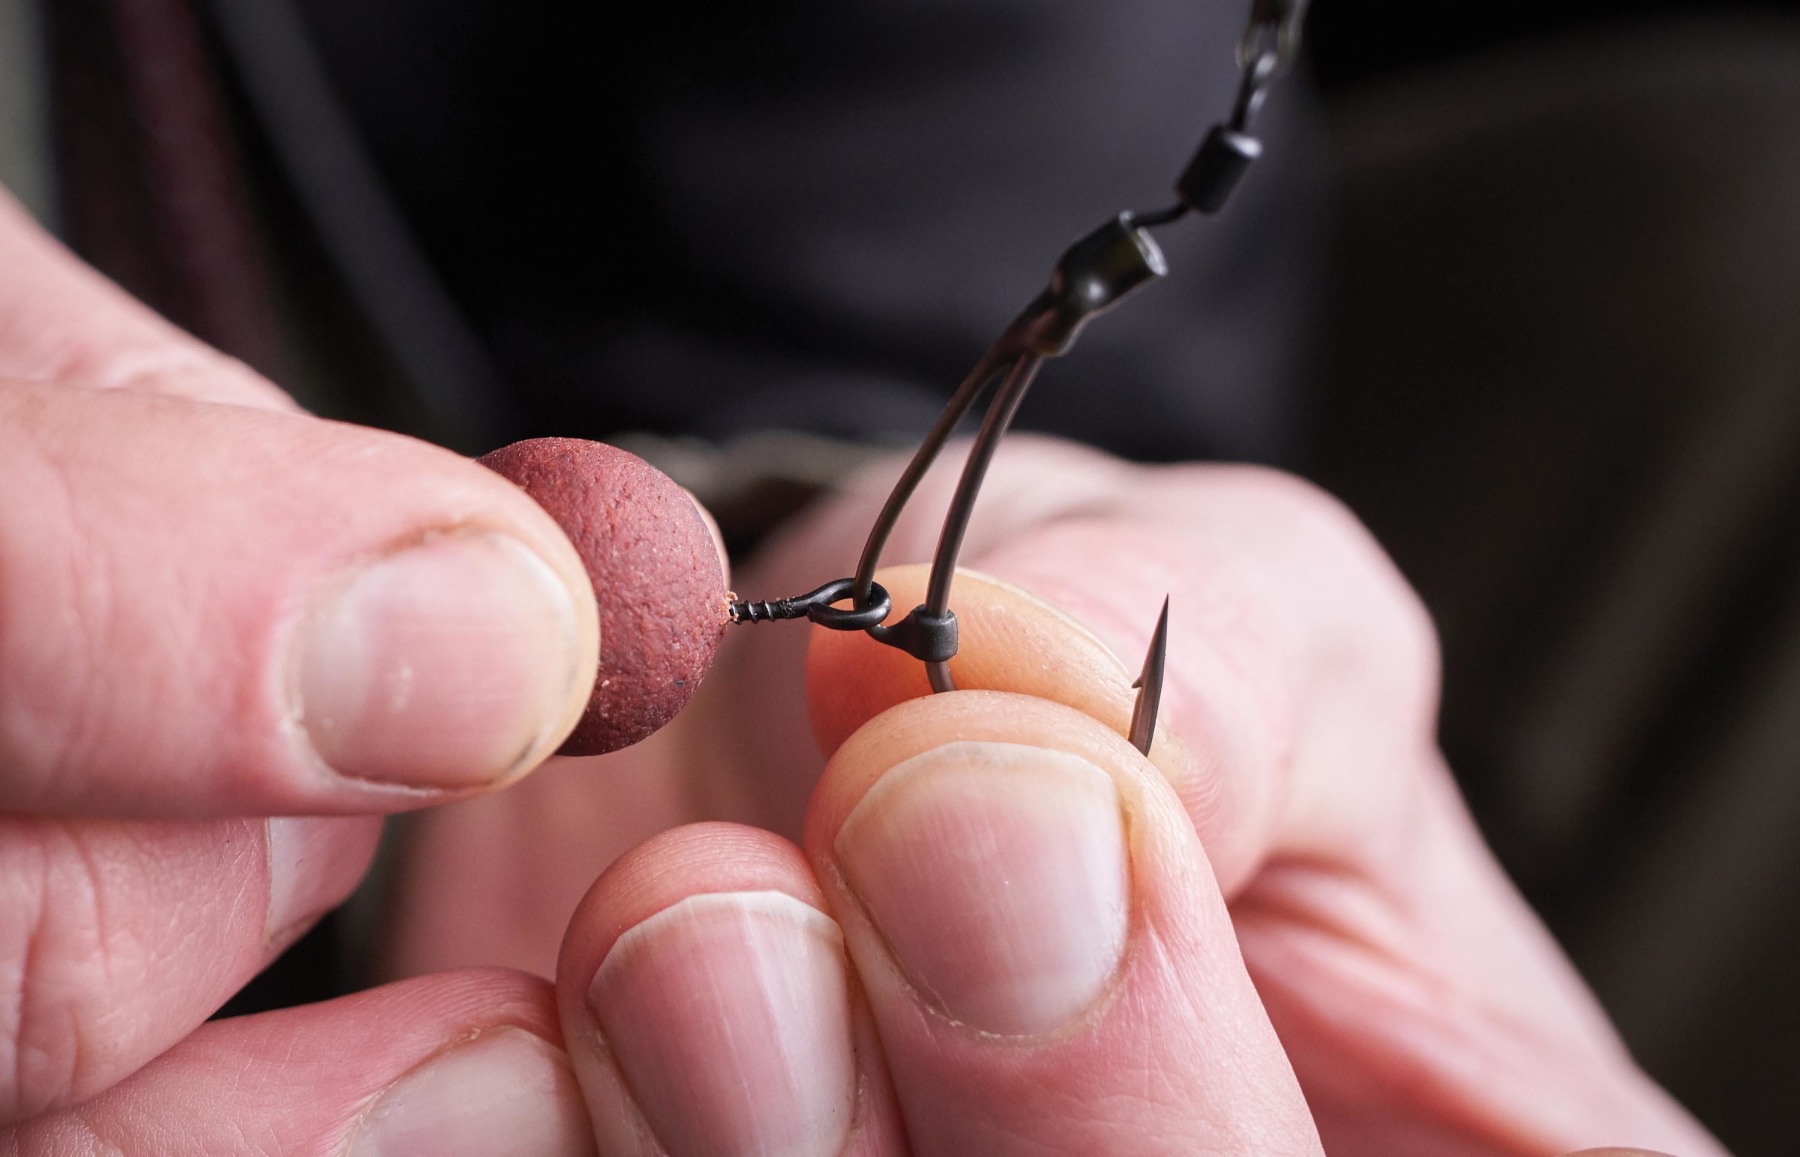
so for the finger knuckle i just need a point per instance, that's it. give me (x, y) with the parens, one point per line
(1368, 622)
(55, 952)
(57, 609)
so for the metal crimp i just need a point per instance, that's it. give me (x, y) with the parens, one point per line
(926, 637)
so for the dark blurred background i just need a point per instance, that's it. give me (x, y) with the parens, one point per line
(1561, 381)
(1518, 281)
(1355, 43)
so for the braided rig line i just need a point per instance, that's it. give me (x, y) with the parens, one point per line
(1093, 276)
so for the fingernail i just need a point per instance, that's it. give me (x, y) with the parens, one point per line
(505, 1092)
(291, 901)
(450, 664)
(729, 1016)
(997, 875)
(313, 864)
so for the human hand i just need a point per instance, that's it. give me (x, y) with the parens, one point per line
(215, 610)
(1006, 931)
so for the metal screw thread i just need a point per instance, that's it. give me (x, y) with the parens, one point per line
(767, 610)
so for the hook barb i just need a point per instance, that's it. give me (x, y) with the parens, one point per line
(1150, 685)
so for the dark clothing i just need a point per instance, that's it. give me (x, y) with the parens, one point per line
(719, 218)
(814, 215)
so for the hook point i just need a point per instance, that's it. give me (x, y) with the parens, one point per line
(1150, 684)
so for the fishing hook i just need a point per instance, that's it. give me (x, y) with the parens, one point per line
(1093, 276)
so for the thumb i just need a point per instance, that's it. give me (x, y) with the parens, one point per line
(1044, 949)
(215, 605)
(216, 610)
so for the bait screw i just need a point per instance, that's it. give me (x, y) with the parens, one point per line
(1093, 276)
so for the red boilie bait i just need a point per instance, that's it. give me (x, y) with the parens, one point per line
(655, 571)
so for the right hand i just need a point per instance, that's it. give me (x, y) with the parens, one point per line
(1308, 941)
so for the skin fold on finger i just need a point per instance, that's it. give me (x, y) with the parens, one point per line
(710, 1009)
(217, 610)
(1048, 957)
(466, 1064)
(117, 939)
(60, 321)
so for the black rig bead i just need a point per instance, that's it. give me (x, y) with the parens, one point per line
(1218, 165)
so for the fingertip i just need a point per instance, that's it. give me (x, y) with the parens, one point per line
(709, 1004)
(1016, 642)
(454, 662)
(897, 739)
(453, 1064)
(1033, 919)
(670, 867)
(907, 728)
(988, 854)
(1004, 635)
(454, 617)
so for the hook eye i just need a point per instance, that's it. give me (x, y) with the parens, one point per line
(862, 618)
(816, 605)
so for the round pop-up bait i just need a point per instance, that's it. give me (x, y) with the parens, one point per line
(655, 571)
